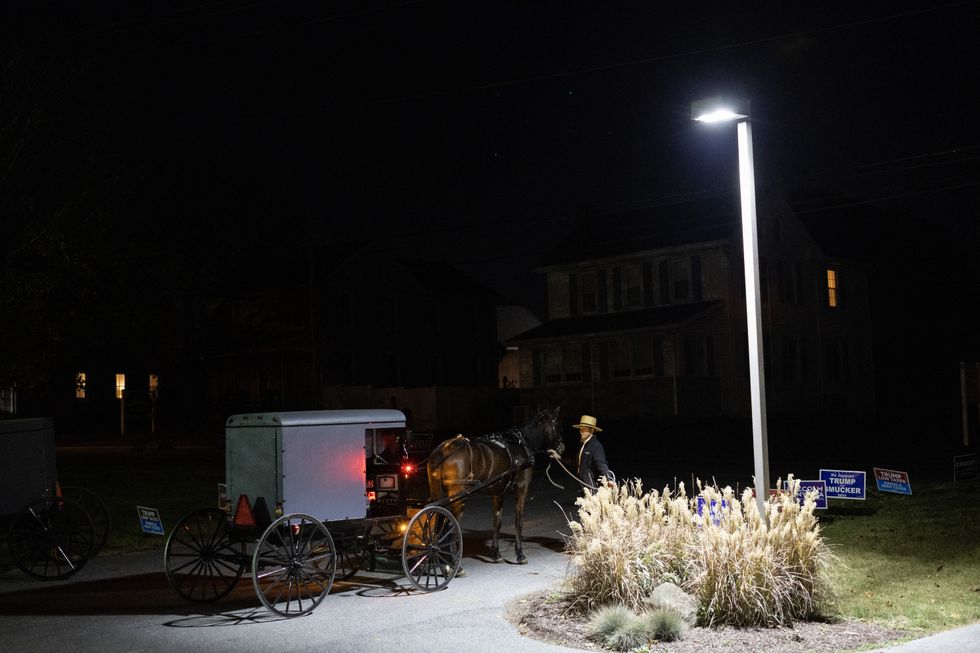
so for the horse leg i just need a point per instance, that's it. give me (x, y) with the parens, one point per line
(498, 505)
(520, 498)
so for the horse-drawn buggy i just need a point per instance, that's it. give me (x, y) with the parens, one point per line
(312, 496)
(51, 532)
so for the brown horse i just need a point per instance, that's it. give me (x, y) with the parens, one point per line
(495, 464)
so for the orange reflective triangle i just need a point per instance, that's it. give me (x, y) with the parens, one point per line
(244, 518)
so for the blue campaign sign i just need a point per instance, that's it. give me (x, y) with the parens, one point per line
(845, 484)
(150, 520)
(712, 510)
(888, 480)
(819, 486)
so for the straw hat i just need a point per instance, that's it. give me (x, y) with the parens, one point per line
(589, 422)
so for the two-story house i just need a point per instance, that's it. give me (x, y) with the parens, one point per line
(646, 316)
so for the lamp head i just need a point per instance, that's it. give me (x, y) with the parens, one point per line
(720, 109)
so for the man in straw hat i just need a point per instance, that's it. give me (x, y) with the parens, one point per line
(592, 468)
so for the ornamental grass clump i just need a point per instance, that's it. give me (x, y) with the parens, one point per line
(625, 543)
(747, 574)
(616, 628)
(741, 571)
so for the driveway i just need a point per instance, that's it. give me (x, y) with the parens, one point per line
(123, 603)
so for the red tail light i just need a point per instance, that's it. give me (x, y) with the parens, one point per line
(408, 468)
(372, 496)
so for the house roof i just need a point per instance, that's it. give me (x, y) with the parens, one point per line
(625, 232)
(611, 322)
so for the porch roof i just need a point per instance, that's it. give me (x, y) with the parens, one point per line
(606, 323)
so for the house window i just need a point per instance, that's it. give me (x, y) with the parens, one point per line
(552, 364)
(658, 356)
(642, 355)
(633, 286)
(833, 288)
(120, 385)
(699, 356)
(680, 275)
(80, 385)
(571, 358)
(589, 292)
(619, 353)
(154, 385)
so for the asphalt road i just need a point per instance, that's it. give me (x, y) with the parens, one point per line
(123, 603)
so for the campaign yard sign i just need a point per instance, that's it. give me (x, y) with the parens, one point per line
(889, 480)
(150, 520)
(713, 511)
(805, 486)
(965, 467)
(845, 484)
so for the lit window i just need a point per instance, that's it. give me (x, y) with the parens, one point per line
(120, 385)
(80, 380)
(832, 296)
(154, 384)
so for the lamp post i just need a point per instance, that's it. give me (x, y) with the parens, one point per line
(717, 110)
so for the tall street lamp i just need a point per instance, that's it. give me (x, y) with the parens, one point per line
(717, 110)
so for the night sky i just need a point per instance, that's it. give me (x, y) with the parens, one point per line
(479, 133)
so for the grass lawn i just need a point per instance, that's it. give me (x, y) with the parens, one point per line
(173, 481)
(914, 561)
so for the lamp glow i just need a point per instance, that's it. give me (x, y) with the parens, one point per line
(720, 115)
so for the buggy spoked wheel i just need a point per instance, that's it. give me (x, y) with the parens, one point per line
(96, 509)
(433, 548)
(293, 565)
(202, 561)
(52, 538)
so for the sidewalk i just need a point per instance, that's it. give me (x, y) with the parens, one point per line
(959, 640)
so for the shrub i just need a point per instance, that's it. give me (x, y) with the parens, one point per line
(747, 574)
(742, 571)
(607, 620)
(663, 625)
(618, 629)
(626, 543)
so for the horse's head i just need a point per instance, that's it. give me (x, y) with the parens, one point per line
(550, 428)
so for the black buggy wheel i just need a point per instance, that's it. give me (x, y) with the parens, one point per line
(96, 509)
(202, 561)
(52, 538)
(293, 565)
(433, 548)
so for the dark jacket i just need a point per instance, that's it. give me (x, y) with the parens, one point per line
(592, 464)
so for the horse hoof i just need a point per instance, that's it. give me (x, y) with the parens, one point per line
(496, 557)
(460, 572)
(521, 560)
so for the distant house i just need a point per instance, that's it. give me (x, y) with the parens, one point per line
(358, 329)
(646, 316)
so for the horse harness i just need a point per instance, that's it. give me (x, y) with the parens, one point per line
(521, 457)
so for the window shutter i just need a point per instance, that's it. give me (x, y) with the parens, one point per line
(648, 284)
(572, 294)
(617, 279)
(603, 292)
